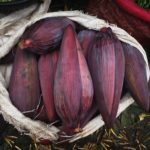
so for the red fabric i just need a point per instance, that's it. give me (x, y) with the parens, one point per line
(111, 12)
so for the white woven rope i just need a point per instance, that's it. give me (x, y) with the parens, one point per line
(36, 129)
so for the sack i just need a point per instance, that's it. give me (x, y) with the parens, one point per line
(37, 129)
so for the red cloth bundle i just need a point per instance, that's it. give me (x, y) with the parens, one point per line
(112, 12)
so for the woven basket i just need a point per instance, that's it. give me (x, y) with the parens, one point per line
(111, 12)
(39, 130)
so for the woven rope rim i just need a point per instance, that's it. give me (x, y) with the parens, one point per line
(37, 129)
